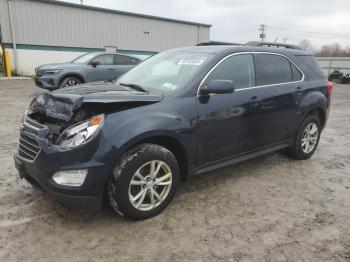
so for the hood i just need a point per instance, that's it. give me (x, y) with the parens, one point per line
(58, 66)
(62, 104)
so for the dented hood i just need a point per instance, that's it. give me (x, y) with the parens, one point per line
(62, 103)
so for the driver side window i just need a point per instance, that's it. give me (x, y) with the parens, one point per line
(238, 68)
(104, 59)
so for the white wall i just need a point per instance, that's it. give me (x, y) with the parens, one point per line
(329, 64)
(28, 59)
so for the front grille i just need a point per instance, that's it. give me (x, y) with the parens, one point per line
(28, 148)
(32, 123)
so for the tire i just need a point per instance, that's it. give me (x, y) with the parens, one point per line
(126, 185)
(299, 149)
(70, 81)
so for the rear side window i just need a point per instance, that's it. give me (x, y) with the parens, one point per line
(239, 69)
(126, 60)
(274, 69)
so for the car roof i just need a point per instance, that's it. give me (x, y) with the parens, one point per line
(113, 53)
(226, 49)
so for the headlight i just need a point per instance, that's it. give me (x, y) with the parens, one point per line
(81, 132)
(52, 72)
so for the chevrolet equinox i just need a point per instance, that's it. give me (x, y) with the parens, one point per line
(181, 112)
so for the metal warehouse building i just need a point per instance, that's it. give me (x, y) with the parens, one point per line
(44, 31)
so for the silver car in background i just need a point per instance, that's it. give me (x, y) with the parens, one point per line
(90, 67)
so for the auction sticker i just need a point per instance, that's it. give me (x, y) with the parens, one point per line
(191, 61)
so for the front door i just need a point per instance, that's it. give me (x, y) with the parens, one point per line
(230, 124)
(105, 70)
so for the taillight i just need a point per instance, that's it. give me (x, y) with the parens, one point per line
(329, 88)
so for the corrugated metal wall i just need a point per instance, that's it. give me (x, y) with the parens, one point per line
(42, 23)
(4, 21)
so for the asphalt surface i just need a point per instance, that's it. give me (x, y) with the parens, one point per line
(270, 208)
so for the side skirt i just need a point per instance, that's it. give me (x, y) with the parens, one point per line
(241, 157)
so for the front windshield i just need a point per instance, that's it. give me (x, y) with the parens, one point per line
(83, 58)
(166, 72)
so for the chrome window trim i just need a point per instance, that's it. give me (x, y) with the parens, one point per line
(253, 87)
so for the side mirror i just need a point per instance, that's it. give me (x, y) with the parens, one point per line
(218, 87)
(95, 63)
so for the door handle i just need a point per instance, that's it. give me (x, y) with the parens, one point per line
(110, 69)
(255, 100)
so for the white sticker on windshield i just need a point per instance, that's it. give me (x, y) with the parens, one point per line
(169, 86)
(191, 61)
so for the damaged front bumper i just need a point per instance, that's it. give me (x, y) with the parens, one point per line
(37, 161)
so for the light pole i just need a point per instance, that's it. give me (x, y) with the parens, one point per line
(262, 30)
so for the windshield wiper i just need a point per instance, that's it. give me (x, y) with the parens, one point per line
(134, 86)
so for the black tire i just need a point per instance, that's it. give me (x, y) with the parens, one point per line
(296, 150)
(70, 81)
(124, 171)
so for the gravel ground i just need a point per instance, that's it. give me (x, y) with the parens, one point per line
(267, 209)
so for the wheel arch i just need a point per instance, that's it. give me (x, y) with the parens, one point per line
(170, 143)
(71, 74)
(320, 113)
(315, 103)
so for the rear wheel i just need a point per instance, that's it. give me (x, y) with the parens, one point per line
(70, 81)
(307, 138)
(144, 181)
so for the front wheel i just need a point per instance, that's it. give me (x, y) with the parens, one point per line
(307, 138)
(70, 81)
(143, 182)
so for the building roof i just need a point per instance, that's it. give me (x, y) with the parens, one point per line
(121, 12)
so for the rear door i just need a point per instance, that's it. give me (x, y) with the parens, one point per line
(281, 84)
(124, 63)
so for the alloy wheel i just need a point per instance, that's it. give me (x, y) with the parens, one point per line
(309, 138)
(71, 82)
(150, 185)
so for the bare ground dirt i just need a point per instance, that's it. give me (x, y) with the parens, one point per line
(267, 209)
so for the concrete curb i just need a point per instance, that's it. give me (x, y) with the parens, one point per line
(15, 78)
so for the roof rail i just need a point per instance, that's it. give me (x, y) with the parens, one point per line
(216, 43)
(271, 44)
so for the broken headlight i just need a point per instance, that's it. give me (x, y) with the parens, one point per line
(80, 133)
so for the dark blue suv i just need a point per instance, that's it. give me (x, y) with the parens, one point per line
(181, 112)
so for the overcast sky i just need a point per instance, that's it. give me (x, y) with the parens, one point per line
(238, 20)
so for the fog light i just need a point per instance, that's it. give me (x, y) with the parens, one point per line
(70, 177)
